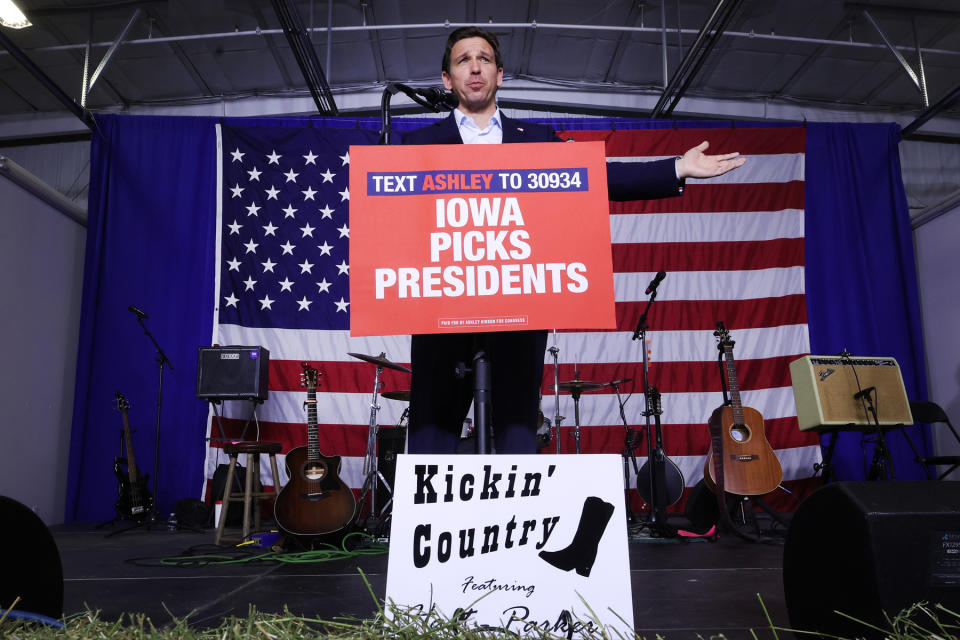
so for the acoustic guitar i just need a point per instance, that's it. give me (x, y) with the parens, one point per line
(315, 501)
(740, 454)
(134, 501)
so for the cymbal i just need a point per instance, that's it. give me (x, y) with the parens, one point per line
(380, 361)
(579, 386)
(402, 394)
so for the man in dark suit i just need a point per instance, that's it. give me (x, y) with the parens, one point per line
(472, 69)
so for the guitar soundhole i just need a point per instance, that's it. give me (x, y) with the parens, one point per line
(739, 433)
(314, 471)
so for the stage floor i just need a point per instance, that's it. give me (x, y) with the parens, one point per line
(680, 590)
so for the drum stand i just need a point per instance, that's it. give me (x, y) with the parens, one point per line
(576, 392)
(557, 418)
(371, 474)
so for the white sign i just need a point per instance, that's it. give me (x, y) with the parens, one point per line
(521, 542)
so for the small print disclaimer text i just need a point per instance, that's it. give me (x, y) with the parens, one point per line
(495, 321)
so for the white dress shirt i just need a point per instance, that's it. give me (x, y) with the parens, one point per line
(470, 133)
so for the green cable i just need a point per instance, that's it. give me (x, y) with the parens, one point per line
(327, 554)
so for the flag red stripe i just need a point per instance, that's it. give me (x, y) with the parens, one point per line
(678, 377)
(704, 198)
(675, 142)
(708, 256)
(349, 377)
(779, 500)
(671, 377)
(678, 439)
(698, 315)
(681, 439)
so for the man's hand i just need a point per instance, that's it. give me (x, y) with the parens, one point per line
(696, 164)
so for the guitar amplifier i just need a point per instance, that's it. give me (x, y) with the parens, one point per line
(233, 373)
(825, 389)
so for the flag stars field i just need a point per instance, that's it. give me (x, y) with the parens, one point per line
(289, 171)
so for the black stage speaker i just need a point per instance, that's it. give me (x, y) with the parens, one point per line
(864, 548)
(233, 373)
(390, 442)
(29, 562)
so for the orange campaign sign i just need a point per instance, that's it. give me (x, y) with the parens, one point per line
(455, 238)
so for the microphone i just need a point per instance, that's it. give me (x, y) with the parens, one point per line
(657, 279)
(437, 97)
(617, 382)
(139, 312)
(865, 393)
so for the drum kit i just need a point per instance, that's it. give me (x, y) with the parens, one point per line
(375, 483)
(545, 433)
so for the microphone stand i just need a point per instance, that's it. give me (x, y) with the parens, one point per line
(436, 105)
(640, 333)
(162, 360)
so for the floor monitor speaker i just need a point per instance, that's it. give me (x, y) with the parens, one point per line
(865, 548)
(29, 562)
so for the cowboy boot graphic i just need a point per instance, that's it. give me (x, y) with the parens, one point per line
(581, 553)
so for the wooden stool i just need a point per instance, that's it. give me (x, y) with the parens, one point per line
(253, 451)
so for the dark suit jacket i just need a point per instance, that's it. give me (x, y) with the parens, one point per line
(625, 180)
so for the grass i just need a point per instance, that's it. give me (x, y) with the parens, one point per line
(920, 621)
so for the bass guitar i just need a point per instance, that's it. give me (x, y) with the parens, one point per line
(315, 501)
(740, 455)
(667, 482)
(134, 501)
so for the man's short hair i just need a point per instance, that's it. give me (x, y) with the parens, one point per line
(471, 32)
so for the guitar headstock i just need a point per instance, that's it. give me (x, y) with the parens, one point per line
(654, 399)
(122, 403)
(310, 378)
(723, 337)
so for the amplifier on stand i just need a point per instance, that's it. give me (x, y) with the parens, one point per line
(827, 390)
(233, 373)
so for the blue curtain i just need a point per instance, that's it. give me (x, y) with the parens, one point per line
(860, 272)
(152, 225)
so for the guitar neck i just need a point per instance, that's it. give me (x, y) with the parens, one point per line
(131, 462)
(313, 437)
(735, 403)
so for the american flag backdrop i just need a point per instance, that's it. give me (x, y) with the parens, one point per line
(732, 247)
